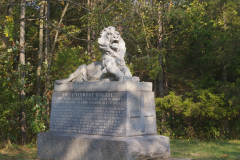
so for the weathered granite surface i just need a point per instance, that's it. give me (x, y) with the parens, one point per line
(92, 147)
(104, 86)
(103, 120)
(112, 113)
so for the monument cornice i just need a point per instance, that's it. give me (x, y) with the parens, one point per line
(103, 86)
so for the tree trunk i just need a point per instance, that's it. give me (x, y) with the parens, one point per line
(155, 87)
(22, 62)
(47, 30)
(47, 54)
(40, 57)
(89, 31)
(92, 32)
(59, 25)
(225, 28)
(52, 51)
(159, 47)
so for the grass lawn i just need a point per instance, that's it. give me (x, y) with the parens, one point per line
(17, 152)
(201, 150)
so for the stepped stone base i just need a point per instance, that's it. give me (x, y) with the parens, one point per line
(71, 146)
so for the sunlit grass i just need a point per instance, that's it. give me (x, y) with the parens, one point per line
(202, 150)
(18, 152)
(194, 149)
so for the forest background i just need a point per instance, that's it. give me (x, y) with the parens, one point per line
(189, 49)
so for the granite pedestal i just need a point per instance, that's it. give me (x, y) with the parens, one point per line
(103, 121)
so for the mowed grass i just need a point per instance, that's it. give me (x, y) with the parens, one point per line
(202, 150)
(194, 149)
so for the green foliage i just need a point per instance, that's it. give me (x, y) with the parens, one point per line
(67, 61)
(202, 71)
(200, 52)
(8, 30)
(199, 114)
(11, 104)
(153, 64)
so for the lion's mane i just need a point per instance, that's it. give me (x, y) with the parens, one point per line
(104, 42)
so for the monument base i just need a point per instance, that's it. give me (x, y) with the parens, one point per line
(71, 146)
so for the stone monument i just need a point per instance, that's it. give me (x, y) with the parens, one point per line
(101, 112)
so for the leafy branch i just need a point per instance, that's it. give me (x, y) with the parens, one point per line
(37, 17)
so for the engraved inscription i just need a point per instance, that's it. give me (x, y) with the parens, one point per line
(89, 98)
(101, 113)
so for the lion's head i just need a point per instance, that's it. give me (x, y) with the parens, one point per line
(111, 39)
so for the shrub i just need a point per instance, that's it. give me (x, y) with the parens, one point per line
(200, 114)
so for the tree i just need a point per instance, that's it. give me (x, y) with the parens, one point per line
(40, 51)
(22, 62)
(47, 53)
(189, 49)
(159, 47)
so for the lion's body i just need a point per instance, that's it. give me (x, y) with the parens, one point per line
(112, 65)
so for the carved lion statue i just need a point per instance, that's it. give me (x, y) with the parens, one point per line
(112, 67)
